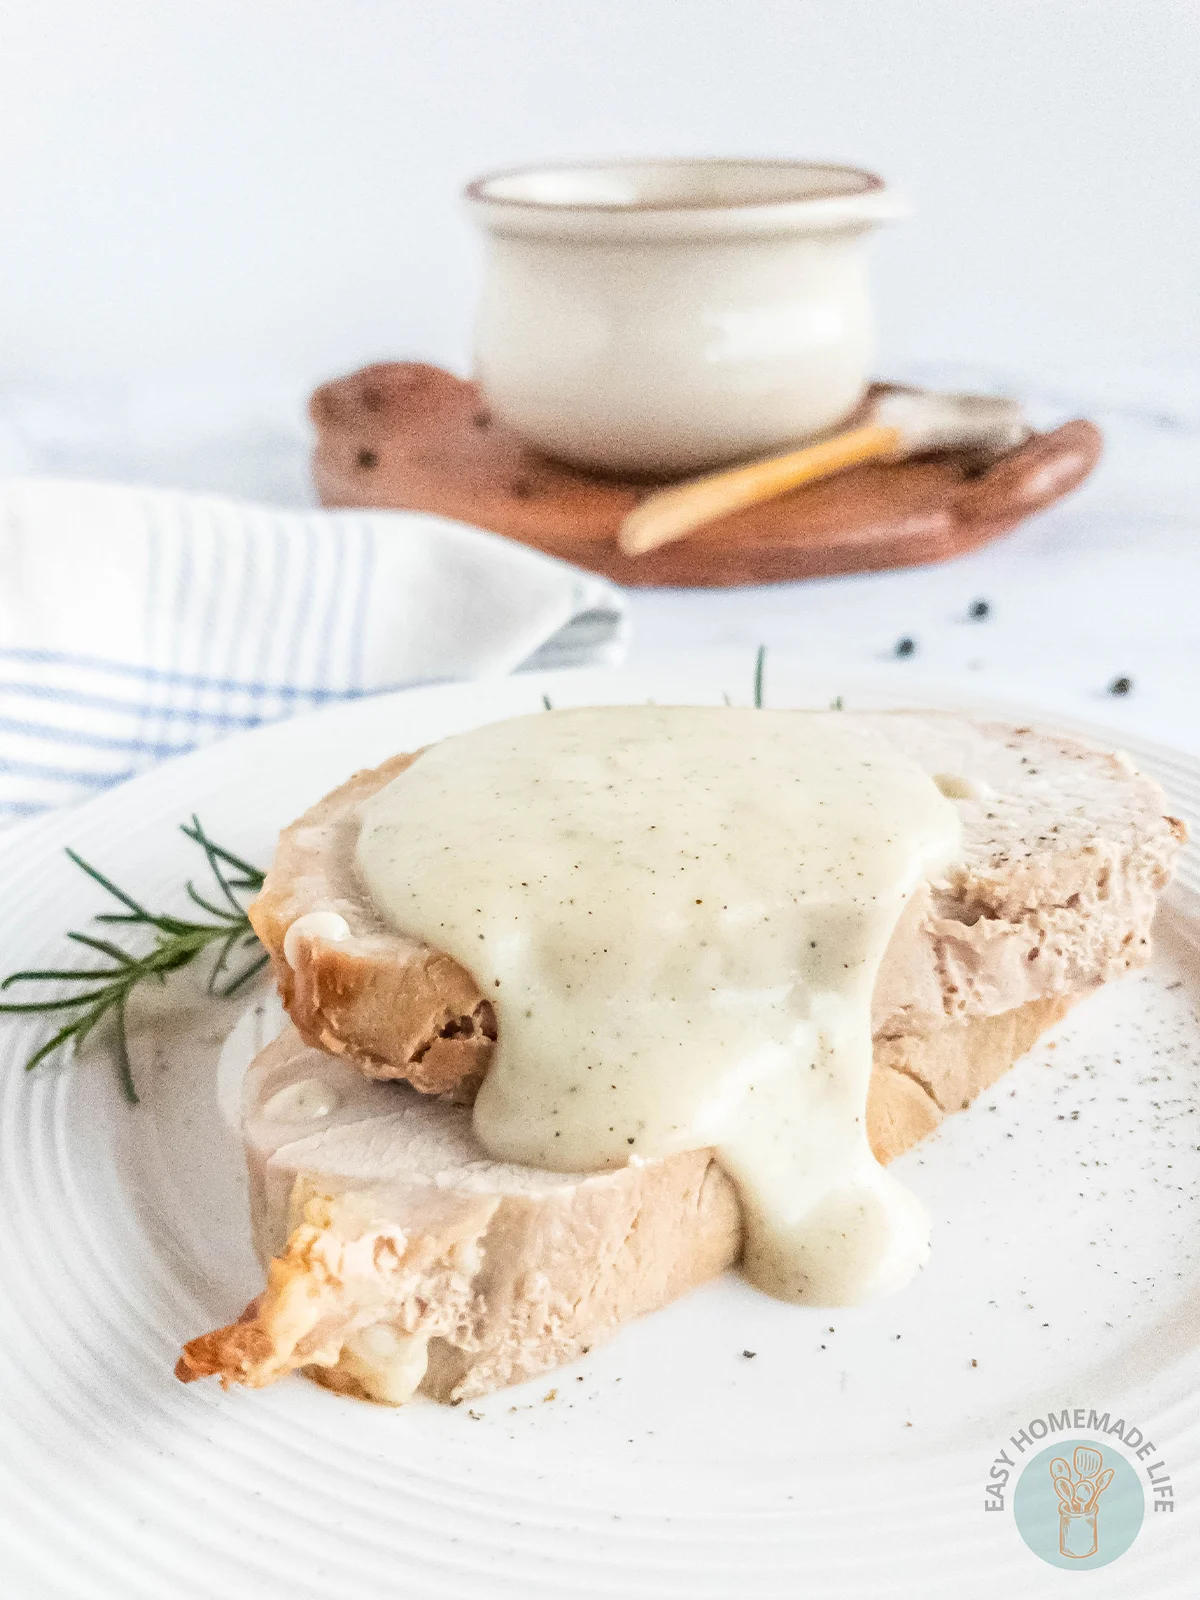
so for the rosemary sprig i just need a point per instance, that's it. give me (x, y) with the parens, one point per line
(177, 942)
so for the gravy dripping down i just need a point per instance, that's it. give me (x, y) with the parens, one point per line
(678, 914)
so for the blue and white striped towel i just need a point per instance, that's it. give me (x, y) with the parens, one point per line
(139, 624)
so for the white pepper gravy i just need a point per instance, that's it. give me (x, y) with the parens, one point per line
(678, 913)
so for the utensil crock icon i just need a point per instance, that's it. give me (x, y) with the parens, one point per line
(1079, 1488)
(1077, 1534)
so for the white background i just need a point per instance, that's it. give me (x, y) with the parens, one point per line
(267, 189)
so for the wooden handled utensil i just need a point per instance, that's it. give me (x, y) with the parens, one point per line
(1087, 1461)
(897, 424)
(1066, 1494)
(1102, 1483)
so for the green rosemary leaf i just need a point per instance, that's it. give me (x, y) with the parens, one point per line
(45, 974)
(105, 883)
(176, 943)
(66, 1002)
(136, 912)
(198, 899)
(105, 947)
(254, 875)
(84, 1025)
(214, 866)
(759, 662)
(244, 977)
(124, 1066)
(51, 1045)
(219, 965)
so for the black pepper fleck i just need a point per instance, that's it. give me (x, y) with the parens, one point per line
(905, 647)
(1120, 686)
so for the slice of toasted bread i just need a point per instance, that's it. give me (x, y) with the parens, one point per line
(1067, 847)
(400, 1257)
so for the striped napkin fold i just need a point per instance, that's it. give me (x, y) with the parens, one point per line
(139, 624)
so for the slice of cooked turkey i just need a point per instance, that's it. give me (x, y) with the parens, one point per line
(1067, 847)
(401, 1258)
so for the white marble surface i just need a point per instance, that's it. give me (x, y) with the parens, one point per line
(1105, 585)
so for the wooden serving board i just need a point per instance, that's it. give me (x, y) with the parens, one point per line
(406, 436)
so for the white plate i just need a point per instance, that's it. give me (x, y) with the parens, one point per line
(846, 1458)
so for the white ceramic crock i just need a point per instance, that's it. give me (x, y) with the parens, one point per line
(654, 318)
